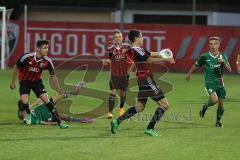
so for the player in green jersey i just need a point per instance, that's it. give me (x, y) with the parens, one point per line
(214, 62)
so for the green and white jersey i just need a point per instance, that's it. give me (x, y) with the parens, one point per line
(41, 113)
(213, 70)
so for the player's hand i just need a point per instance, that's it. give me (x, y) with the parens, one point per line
(188, 77)
(106, 62)
(171, 60)
(12, 85)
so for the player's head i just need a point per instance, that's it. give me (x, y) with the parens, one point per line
(42, 47)
(214, 44)
(135, 36)
(117, 36)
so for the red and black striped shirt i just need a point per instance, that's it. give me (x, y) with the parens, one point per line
(119, 60)
(140, 57)
(30, 67)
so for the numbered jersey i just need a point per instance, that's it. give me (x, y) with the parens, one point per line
(213, 70)
(30, 68)
(119, 60)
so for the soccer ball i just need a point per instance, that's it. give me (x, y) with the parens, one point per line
(166, 53)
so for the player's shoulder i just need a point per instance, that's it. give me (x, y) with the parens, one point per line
(27, 55)
(138, 50)
(109, 45)
(126, 44)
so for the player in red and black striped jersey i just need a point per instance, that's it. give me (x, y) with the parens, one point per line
(30, 67)
(147, 86)
(119, 66)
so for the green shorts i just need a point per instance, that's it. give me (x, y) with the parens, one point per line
(219, 89)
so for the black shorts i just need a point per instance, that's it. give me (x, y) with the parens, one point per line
(148, 88)
(37, 87)
(119, 82)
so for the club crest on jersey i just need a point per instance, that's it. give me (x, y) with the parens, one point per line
(41, 65)
(210, 91)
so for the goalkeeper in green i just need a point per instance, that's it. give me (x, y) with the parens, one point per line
(214, 62)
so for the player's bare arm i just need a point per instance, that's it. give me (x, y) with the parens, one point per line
(14, 77)
(192, 69)
(56, 84)
(226, 65)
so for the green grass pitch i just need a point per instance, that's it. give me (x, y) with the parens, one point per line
(183, 134)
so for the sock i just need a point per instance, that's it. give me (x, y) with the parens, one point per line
(220, 112)
(53, 111)
(209, 103)
(111, 102)
(122, 101)
(129, 113)
(156, 117)
(26, 108)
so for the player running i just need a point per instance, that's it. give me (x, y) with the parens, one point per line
(147, 86)
(30, 67)
(119, 66)
(213, 61)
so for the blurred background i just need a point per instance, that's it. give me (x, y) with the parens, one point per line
(81, 27)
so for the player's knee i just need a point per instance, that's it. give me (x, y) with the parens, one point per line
(220, 103)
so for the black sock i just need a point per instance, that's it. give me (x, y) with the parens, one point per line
(129, 113)
(156, 117)
(220, 112)
(122, 101)
(111, 102)
(26, 108)
(53, 111)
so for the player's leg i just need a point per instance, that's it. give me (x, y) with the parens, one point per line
(122, 101)
(221, 92)
(111, 100)
(23, 104)
(159, 113)
(139, 107)
(212, 100)
(41, 93)
(220, 112)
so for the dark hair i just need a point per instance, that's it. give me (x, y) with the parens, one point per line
(132, 34)
(42, 42)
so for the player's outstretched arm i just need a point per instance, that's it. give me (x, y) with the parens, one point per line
(192, 69)
(56, 84)
(14, 77)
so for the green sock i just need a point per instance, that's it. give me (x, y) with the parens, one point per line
(209, 103)
(220, 112)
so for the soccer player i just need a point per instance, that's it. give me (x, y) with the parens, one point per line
(40, 113)
(238, 62)
(213, 61)
(147, 86)
(30, 67)
(119, 66)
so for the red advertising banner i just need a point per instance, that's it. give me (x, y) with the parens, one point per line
(76, 39)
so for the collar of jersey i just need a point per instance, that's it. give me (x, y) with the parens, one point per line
(214, 56)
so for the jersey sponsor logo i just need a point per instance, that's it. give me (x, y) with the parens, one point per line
(33, 69)
(214, 66)
(119, 57)
(208, 60)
